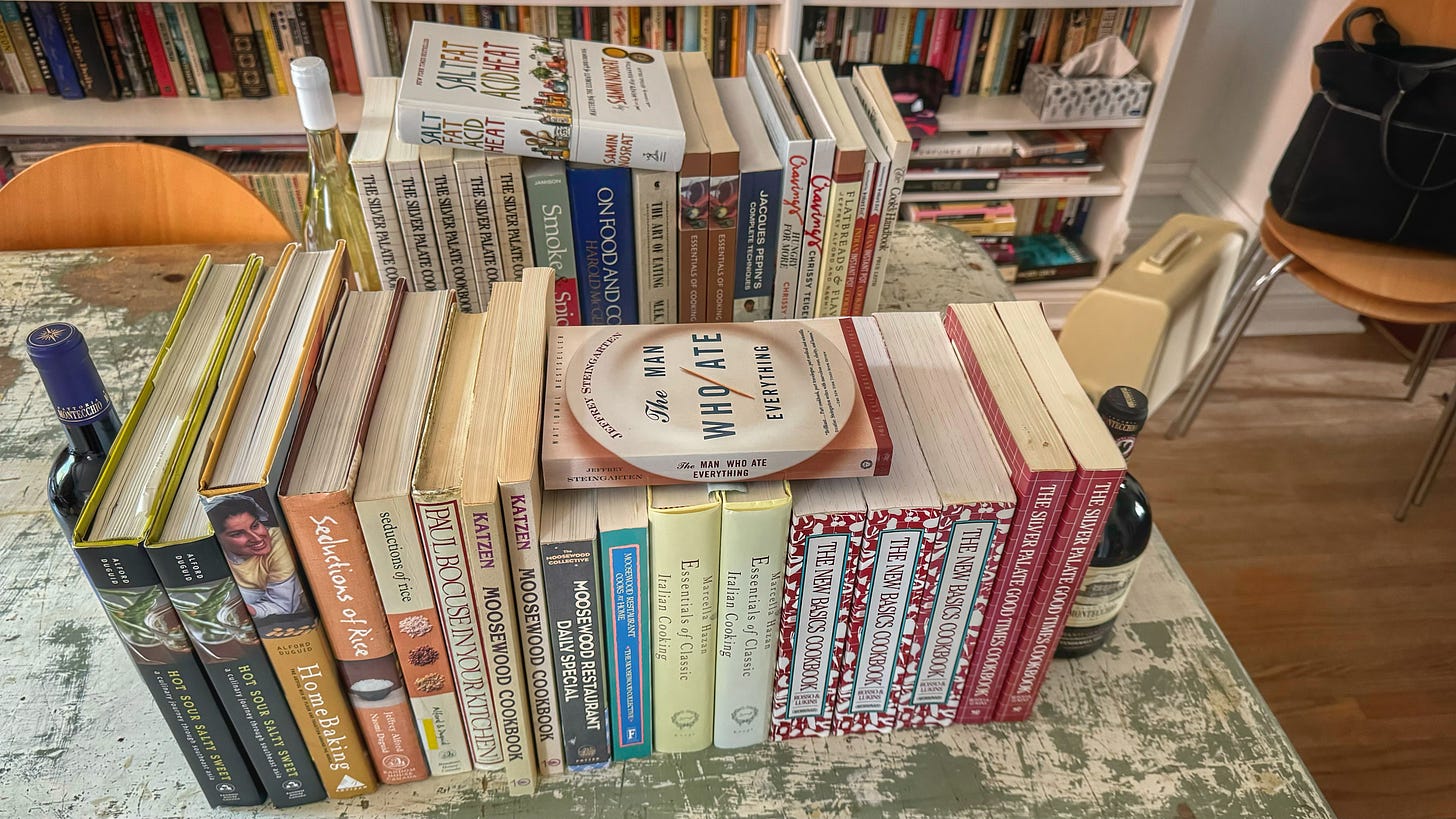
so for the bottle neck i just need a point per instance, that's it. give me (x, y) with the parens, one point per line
(96, 437)
(326, 150)
(1125, 442)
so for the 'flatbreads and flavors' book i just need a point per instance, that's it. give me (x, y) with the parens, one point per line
(657, 404)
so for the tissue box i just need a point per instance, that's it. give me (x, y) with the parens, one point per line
(1055, 98)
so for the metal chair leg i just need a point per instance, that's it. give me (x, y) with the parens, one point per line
(1240, 322)
(1253, 259)
(1431, 343)
(1425, 477)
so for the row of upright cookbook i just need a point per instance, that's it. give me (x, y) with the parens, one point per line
(333, 536)
(686, 199)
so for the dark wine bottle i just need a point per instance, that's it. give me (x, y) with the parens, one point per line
(1124, 538)
(60, 354)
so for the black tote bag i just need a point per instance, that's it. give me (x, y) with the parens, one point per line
(1375, 155)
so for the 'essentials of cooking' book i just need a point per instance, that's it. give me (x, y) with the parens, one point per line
(506, 93)
(654, 404)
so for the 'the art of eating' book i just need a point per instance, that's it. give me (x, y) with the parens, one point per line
(649, 404)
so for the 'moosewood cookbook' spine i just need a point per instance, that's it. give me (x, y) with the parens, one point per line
(574, 604)
(409, 604)
(212, 611)
(626, 594)
(813, 622)
(336, 563)
(132, 596)
(444, 545)
(289, 626)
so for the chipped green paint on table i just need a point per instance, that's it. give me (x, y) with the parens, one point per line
(1163, 723)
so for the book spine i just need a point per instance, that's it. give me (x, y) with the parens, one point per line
(473, 176)
(813, 622)
(753, 289)
(692, 247)
(885, 577)
(83, 40)
(950, 185)
(684, 616)
(816, 219)
(569, 571)
(689, 34)
(551, 235)
(132, 597)
(30, 35)
(288, 624)
(870, 248)
(339, 31)
(156, 49)
(750, 598)
(521, 503)
(723, 248)
(794, 194)
(954, 609)
(198, 50)
(513, 223)
(176, 49)
(443, 541)
(376, 199)
(838, 238)
(402, 578)
(490, 576)
(266, 28)
(627, 589)
(133, 49)
(336, 564)
(219, 44)
(211, 610)
(853, 288)
(652, 195)
(456, 263)
(18, 81)
(411, 201)
(603, 227)
(1078, 532)
(126, 83)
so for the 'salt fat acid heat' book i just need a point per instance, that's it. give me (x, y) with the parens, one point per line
(710, 402)
(506, 93)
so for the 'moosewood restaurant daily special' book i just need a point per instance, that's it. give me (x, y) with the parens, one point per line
(658, 404)
(507, 93)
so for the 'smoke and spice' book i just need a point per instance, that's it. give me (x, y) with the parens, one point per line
(655, 404)
(506, 93)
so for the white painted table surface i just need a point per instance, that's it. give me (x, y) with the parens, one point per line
(1163, 723)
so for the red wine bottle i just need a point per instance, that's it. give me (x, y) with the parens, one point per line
(59, 353)
(1124, 539)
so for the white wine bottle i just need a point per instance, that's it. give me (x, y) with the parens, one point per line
(332, 210)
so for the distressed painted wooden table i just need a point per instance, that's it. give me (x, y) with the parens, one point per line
(1164, 723)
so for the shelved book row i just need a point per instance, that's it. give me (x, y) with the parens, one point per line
(965, 165)
(111, 51)
(326, 521)
(279, 178)
(1028, 239)
(727, 34)
(978, 51)
(788, 187)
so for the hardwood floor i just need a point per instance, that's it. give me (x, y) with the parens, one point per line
(1279, 505)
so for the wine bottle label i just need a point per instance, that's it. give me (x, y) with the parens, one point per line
(1104, 590)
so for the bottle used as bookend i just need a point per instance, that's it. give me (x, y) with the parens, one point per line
(331, 211)
(1114, 564)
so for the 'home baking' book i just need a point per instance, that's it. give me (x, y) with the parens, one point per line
(745, 401)
(506, 93)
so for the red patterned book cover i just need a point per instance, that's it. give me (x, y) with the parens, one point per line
(1041, 472)
(815, 617)
(952, 613)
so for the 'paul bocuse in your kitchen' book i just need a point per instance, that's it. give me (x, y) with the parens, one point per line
(693, 403)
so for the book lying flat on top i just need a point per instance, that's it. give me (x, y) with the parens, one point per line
(132, 490)
(239, 488)
(317, 500)
(507, 93)
(648, 404)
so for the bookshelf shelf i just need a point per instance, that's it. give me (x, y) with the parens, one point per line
(35, 114)
(1008, 113)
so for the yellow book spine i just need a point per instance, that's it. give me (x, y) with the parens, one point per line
(838, 244)
(684, 561)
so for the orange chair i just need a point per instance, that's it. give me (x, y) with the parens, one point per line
(130, 193)
(1382, 281)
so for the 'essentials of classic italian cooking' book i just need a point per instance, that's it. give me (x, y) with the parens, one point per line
(506, 93)
(695, 403)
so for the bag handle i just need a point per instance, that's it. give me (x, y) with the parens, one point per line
(1387, 115)
(1385, 33)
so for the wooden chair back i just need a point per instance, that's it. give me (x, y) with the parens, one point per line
(1420, 22)
(130, 193)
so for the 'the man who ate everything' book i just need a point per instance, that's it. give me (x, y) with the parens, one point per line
(506, 93)
(635, 405)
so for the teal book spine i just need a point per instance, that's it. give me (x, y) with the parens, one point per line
(626, 594)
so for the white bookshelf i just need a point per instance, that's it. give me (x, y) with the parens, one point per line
(35, 114)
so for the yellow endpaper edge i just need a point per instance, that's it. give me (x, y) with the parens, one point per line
(192, 421)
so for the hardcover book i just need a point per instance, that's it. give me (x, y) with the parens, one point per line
(602, 223)
(551, 235)
(684, 526)
(716, 402)
(750, 596)
(570, 571)
(760, 185)
(626, 589)
(507, 93)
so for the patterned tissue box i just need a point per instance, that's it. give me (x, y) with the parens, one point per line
(1055, 98)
